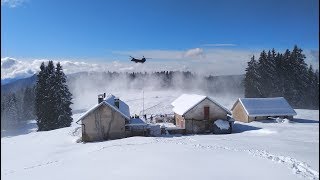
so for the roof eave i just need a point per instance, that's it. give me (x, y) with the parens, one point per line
(106, 104)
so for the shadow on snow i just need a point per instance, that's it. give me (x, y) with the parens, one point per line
(25, 127)
(240, 128)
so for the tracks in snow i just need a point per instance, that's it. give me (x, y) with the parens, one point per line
(298, 167)
(31, 167)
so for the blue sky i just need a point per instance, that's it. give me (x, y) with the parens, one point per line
(97, 29)
(204, 36)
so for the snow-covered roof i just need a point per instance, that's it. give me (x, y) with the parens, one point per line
(136, 122)
(123, 107)
(185, 102)
(109, 101)
(277, 106)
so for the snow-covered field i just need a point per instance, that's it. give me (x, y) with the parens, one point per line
(257, 150)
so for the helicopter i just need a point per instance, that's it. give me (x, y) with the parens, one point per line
(139, 60)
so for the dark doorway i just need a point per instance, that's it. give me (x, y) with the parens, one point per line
(206, 113)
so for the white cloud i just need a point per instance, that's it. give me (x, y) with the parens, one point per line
(196, 52)
(154, 54)
(164, 54)
(312, 57)
(202, 61)
(12, 3)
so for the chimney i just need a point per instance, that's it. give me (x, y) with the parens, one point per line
(104, 95)
(116, 102)
(100, 98)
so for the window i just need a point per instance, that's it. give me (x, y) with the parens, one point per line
(127, 128)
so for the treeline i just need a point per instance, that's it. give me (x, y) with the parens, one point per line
(48, 101)
(286, 74)
(17, 107)
(163, 80)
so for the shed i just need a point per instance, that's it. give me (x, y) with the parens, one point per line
(196, 113)
(250, 109)
(136, 127)
(106, 120)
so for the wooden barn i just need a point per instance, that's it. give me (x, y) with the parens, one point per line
(251, 109)
(196, 113)
(106, 120)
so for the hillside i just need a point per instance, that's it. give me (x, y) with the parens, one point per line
(257, 150)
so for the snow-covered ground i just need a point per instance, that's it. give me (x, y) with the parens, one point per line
(257, 150)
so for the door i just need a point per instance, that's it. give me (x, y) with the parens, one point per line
(206, 113)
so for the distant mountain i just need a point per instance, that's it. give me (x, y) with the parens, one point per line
(18, 84)
(8, 80)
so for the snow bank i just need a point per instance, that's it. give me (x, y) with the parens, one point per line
(285, 120)
(222, 124)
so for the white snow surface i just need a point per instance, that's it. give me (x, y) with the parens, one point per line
(267, 106)
(185, 102)
(256, 150)
(222, 124)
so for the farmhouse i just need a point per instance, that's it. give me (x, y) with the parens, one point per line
(106, 120)
(196, 113)
(250, 109)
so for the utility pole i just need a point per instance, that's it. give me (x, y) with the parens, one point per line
(143, 103)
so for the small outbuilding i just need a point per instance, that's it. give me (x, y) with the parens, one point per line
(197, 113)
(251, 109)
(136, 127)
(106, 120)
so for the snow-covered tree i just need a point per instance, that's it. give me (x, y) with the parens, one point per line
(266, 70)
(284, 75)
(53, 98)
(62, 97)
(11, 111)
(28, 104)
(251, 80)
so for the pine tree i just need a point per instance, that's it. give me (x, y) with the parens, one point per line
(316, 91)
(280, 76)
(309, 93)
(251, 80)
(299, 75)
(285, 75)
(63, 98)
(53, 98)
(288, 84)
(41, 98)
(28, 104)
(266, 71)
(3, 107)
(11, 111)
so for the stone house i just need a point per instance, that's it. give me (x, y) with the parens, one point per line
(196, 113)
(106, 120)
